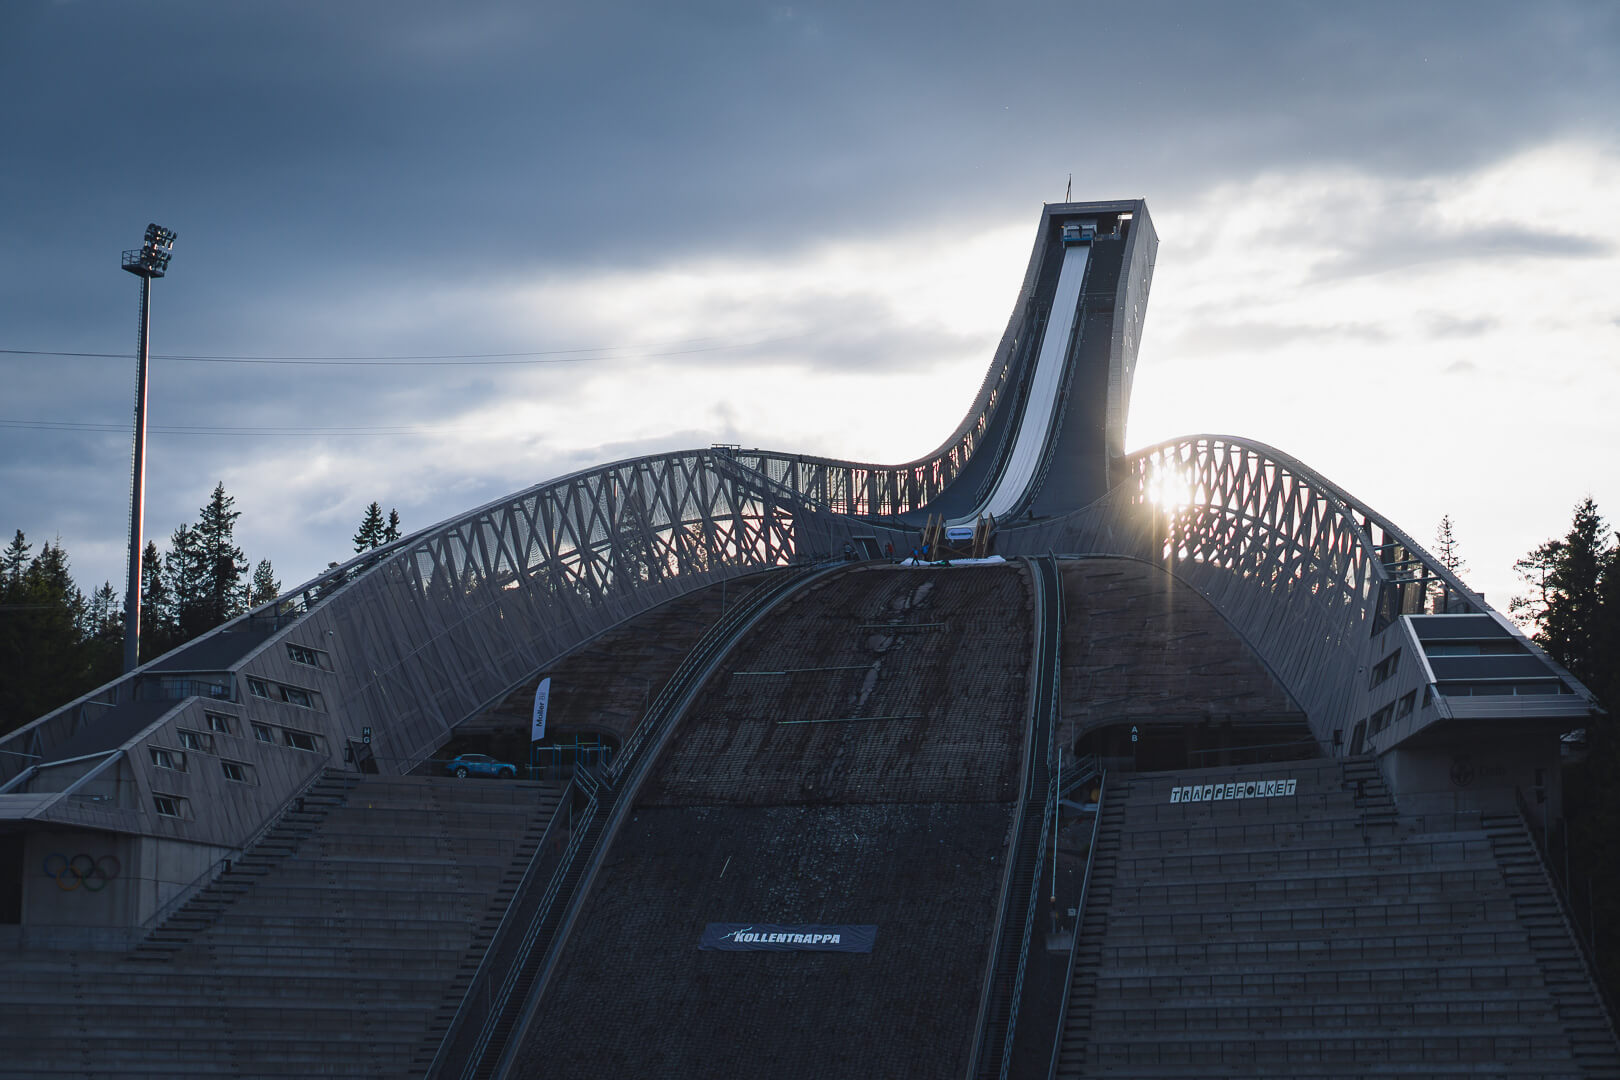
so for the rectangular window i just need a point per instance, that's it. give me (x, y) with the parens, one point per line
(300, 740)
(169, 805)
(195, 740)
(218, 722)
(1404, 707)
(298, 654)
(168, 759)
(263, 733)
(1386, 667)
(235, 770)
(292, 695)
(258, 688)
(1380, 719)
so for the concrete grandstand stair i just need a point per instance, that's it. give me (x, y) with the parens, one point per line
(1307, 935)
(1077, 1022)
(1580, 1007)
(297, 823)
(330, 959)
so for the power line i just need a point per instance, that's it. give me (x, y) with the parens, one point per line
(123, 429)
(533, 356)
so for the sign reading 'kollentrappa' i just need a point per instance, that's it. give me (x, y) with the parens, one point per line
(1242, 789)
(775, 937)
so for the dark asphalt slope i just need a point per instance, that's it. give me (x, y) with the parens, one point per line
(901, 823)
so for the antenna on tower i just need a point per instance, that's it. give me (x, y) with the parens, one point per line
(1068, 189)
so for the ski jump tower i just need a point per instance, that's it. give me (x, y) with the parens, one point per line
(374, 663)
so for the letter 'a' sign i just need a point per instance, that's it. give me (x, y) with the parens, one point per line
(542, 701)
(773, 937)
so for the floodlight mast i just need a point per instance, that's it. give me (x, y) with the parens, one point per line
(150, 260)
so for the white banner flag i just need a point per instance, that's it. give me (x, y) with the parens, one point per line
(542, 699)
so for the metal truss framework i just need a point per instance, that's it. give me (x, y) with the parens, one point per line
(1304, 572)
(430, 628)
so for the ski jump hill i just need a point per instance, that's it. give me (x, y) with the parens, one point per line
(1198, 767)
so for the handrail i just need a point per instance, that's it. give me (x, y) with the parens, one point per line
(1053, 597)
(208, 876)
(688, 682)
(1566, 909)
(492, 955)
(1079, 922)
(605, 794)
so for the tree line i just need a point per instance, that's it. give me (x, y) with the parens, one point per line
(57, 642)
(1573, 605)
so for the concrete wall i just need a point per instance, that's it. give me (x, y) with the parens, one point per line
(1479, 775)
(86, 889)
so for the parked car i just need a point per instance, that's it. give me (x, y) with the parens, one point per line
(465, 765)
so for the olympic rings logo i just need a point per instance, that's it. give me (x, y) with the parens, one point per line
(81, 869)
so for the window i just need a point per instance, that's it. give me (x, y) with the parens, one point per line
(195, 740)
(298, 654)
(235, 770)
(258, 688)
(169, 805)
(1386, 667)
(168, 759)
(292, 695)
(263, 733)
(1380, 719)
(1403, 708)
(218, 722)
(300, 740)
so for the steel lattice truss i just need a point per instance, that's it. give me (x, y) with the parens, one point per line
(498, 593)
(1306, 573)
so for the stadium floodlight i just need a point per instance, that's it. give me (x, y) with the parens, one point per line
(150, 260)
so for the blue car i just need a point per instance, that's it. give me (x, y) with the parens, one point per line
(466, 765)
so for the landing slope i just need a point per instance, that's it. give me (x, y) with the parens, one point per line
(758, 814)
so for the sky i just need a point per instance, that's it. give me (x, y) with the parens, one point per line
(1390, 245)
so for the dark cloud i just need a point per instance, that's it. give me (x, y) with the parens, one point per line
(340, 173)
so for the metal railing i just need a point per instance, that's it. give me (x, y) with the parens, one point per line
(498, 972)
(1585, 948)
(1079, 925)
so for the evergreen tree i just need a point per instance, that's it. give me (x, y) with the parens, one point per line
(265, 587)
(157, 605)
(16, 560)
(370, 533)
(41, 643)
(221, 562)
(1574, 608)
(1446, 548)
(187, 576)
(391, 532)
(1568, 579)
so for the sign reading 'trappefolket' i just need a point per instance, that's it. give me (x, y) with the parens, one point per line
(1238, 789)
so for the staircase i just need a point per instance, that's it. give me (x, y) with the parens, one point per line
(1076, 1023)
(1313, 934)
(324, 951)
(1563, 965)
(296, 824)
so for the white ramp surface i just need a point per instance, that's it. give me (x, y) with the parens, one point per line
(1041, 404)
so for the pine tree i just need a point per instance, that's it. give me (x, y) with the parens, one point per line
(370, 533)
(391, 533)
(16, 560)
(1568, 579)
(187, 578)
(1446, 548)
(265, 586)
(222, 562)
(157, 605)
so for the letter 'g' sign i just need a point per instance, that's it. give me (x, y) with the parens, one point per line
(774, 937)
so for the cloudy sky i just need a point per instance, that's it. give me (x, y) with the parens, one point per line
(1390, 244)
